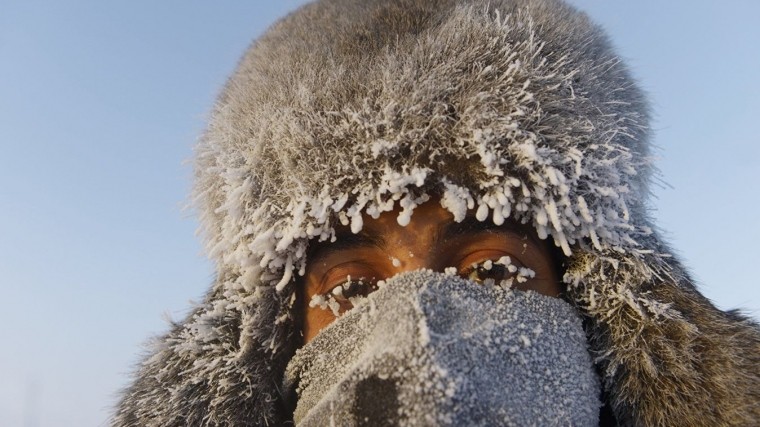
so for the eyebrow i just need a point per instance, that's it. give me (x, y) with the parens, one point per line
(346, 240)
(470, 224)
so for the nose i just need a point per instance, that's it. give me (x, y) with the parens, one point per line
(416, 245)
(408, 260)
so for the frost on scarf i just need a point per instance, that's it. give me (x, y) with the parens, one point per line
(432, 349)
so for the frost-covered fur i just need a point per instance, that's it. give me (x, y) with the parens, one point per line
(515, 109)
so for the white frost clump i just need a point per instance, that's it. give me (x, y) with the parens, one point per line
(328, 300)
(525, 340)
(318, 300)
(505, 260)
(324, 302)
(525, 274)
(456, 200)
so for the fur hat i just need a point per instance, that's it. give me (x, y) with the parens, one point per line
(512, 108)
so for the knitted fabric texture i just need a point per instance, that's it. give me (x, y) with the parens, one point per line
(484, 355)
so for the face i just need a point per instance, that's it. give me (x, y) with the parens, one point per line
(510, 255)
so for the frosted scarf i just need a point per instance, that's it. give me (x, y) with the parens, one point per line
(431, 349)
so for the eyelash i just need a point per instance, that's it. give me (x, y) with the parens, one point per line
(342, 296)
(354, 288)
(500, 272)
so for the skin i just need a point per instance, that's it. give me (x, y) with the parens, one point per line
(431, 240)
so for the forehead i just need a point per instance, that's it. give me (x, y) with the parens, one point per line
(427, 219)
(431, 225)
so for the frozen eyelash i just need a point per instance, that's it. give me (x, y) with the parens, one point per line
(519, 274)
(524, 274)
(328, 299)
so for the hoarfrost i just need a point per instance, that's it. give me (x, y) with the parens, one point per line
(507, 283)
(482, 213)
(432, 349)
(525, 340)
(505, 260)
(546, 195)
(524, 274)
(318, 300)
(334, 306)
(456, 200)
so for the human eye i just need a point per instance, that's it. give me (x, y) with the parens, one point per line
(502, 271)
(341, 295)
(352, 288)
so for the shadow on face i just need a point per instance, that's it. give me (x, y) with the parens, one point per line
(510, 254)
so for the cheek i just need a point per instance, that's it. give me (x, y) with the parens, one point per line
(546, 281)
(314, 320)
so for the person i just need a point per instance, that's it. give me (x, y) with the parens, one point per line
(432, 213)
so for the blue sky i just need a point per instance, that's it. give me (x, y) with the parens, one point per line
(101, 103)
